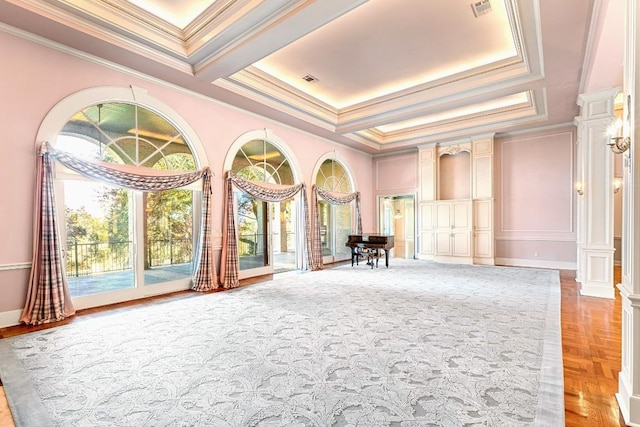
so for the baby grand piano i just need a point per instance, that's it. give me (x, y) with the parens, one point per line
(370, 245)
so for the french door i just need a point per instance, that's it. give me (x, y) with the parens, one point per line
(335, 227)
(123, 245)
(255, 252)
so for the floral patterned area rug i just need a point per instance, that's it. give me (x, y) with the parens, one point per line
(415, 344)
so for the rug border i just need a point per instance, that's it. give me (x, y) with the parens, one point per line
(28, 410)
(24, 402)
(551, 372)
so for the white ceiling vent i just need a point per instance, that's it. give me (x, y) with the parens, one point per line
(309, 78)
(481, 7)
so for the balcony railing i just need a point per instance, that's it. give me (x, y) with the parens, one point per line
(252, 244)
(84, 259)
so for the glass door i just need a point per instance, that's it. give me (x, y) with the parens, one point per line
(337, 221)
(99, 252)
(326, 230)
(343, 226)
(283, 227)
(168, 236)
(254, 243)
(397, 218)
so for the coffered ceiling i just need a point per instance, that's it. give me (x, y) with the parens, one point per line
(377, 75)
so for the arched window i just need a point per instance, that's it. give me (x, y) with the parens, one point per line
(122, 244)
(268, 239)
(336, 221)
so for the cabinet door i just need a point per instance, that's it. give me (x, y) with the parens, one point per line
(461, 243)
(443, 215)
(426, 243)
(483, 244)
(443, 243)
(461, 215)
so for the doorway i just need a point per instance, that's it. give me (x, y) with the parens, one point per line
(396, 217)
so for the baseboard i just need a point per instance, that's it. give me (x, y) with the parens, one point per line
(484, 261)
(556, 265)
(453, 259)
(597, 290)
(628, 405)
(10, 318)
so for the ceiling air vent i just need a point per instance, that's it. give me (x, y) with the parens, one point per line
(481, 7)
(309, 78)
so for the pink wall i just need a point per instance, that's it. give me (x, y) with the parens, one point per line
(535, 201)
(394, 175)
(534, 197)
(33, 78)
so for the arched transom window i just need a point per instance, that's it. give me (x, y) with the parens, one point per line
(119, 240)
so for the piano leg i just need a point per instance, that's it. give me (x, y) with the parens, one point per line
(386, 257)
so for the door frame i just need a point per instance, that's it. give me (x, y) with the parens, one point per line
(380, 199)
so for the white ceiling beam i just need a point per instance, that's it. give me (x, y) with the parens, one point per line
(272, 31)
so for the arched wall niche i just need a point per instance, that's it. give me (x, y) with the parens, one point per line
(454, 175)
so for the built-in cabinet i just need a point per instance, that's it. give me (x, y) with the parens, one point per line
(456, 201)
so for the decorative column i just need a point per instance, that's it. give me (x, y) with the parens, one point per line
(578, 183)
(628, 395)
(426, 197)
(595, 211)
(482, 195)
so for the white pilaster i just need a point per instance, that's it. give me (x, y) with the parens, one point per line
(595, 210)
(578, 183)
(629, 377)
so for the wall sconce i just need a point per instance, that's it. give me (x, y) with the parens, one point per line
(620, 143)
(578, 187)
(617, 184)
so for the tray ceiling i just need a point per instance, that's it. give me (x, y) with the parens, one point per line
(376, 75)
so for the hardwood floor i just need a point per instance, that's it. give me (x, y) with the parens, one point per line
(590, 345)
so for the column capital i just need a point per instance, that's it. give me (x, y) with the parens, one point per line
(597, 105)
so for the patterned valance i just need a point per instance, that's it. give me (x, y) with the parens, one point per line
(337, 198)
(128, 176)
(264, 190)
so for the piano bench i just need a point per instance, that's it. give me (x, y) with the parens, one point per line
(361, 251)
